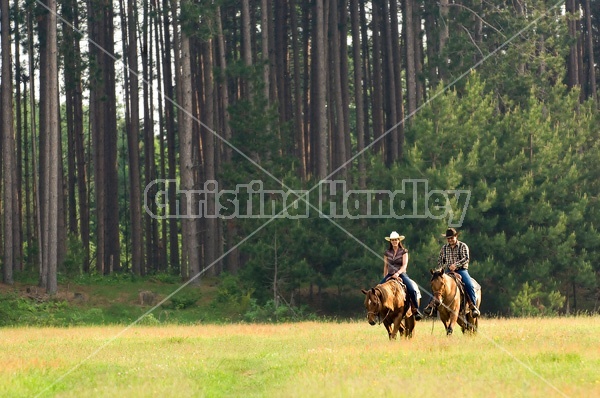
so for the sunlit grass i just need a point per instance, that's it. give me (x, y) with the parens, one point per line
(517, 357)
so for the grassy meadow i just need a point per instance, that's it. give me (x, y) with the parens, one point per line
(508, 358)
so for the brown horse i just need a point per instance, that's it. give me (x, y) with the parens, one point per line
(451, 303)
(389, 303)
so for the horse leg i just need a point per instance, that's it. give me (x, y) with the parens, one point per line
(463, 322)
(447, 325)
(468, 324)
(410, 326)
(390, 329)
(402, 330)
(397, 326)
(451, 323)
(472, 325)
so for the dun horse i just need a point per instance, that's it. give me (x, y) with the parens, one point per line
(389, 304)
(451, 304)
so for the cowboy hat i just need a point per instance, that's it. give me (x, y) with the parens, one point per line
(394, 235)
(450, 232)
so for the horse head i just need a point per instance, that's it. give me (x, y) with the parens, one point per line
(372, 304)
(438, 284)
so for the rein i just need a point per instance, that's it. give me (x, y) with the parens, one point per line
(439, 293)
(386, 315)
(380, 305)
(454, 295)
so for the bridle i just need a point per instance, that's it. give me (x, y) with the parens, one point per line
(437, 295)
(377, 313)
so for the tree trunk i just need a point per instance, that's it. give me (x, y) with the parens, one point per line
(589, 48)
(223, 91)
(573, 63)
(246, 42)
(186, 159)
(367, 75)
(338, 139)
(62, 198)
(133, 130)
(113, 252)
(72, 81)
(309, 83)
(43, 137)
(320, 95)
(9, 161)
(345, 79)
(52, 158)
(264, 30)
(18, 197)
(151, 225)
(162, 173)
(211, 237)
(299, 139)
(377, 90)
(409, 40)
(29, 221)
(170, 113)
(431, 31)
(37, 230)
(419, 56)
(358, 92)
(443, 34)
(391, 120)
(279, 58)
(397, 73)
(103, 130)
(77, 178)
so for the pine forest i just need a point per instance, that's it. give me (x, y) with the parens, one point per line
(272, 145)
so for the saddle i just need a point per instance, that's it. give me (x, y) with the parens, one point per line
(402, 286)
(464, 297)
(461, 287)
(400, 283)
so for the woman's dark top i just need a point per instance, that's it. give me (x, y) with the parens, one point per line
(394, 261)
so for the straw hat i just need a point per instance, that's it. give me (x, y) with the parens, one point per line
(394, 235)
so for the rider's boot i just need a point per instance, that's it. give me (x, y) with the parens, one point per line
(474, 310)
(418, 315)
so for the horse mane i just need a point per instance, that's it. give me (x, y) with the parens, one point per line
(390, 297)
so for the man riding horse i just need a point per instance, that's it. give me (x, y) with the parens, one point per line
(454, 256)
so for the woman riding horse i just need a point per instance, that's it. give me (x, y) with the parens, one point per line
(395, 263)
(386, 303)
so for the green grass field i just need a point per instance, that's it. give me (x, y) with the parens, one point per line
(509, 358)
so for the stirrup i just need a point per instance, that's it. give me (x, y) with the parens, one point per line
(418, 315)
(431, 311)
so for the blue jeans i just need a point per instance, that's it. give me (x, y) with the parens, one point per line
(412, 293)
(469, 288)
